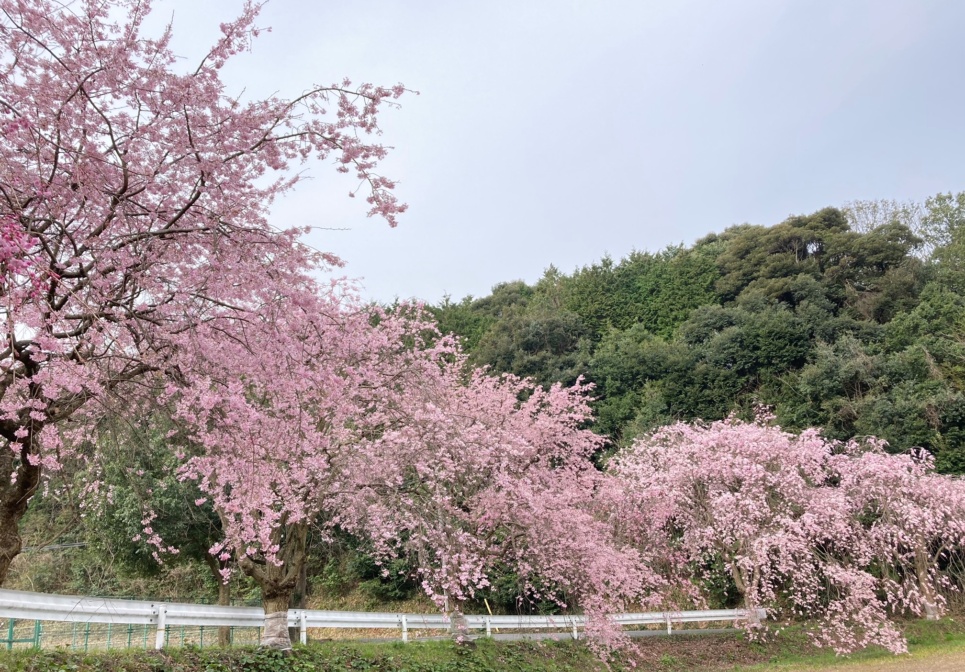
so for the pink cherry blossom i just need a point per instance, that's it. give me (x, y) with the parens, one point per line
(807, 528)
(134, 195)
(316, 411)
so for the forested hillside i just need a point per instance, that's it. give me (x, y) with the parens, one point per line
(847, 319)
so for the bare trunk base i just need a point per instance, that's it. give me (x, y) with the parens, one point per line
(275, 633)
(224, 600)
(299, 599)
(930, 599)
(742, 584)
(277, 580)
(458, 627)
(224, 596)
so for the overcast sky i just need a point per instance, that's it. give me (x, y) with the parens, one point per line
(554, 132)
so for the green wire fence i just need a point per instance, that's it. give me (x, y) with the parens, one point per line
(101, 636)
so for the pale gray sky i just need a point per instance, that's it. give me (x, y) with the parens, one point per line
(553, 132)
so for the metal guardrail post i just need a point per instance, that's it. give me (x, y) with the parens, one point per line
(405, 629)
(669, 626)
(161, 627)
(489, 627)
(302, 627)
(576, 633)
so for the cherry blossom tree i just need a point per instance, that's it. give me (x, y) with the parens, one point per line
(485, 472)
(133, 208)
(913, 521)
(319, 412)
(763, 505)
(140, 272)
(274, 410)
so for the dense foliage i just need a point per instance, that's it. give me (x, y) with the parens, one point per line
(850, 320)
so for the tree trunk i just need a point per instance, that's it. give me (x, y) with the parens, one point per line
(224, 600)
(275, 633)
(278, 581)
(928, 594)
(10, 541)
(744, 586)
(224, 596)
(14, 497)
(300, 597)
(458, 626)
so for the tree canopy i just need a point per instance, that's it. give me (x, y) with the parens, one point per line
(849, 320)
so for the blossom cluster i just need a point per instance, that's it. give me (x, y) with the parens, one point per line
(133, 208)
(844, 533)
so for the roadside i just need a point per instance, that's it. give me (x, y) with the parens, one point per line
(934, 647)
(921, 661)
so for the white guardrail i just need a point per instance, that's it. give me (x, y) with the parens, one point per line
(20, 605)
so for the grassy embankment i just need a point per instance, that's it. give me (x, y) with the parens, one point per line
(941, 641)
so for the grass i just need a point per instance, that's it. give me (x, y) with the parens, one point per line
(789, 651)
(926, 639)
(325, 657)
